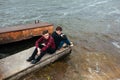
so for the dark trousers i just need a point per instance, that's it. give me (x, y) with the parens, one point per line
(49, 50)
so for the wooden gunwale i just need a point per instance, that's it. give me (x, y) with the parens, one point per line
(24, 27)
(22, 32)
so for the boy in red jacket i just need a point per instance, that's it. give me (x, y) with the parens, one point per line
(44, 44)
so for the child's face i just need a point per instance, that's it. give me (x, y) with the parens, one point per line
(46, 36)
(58, 32)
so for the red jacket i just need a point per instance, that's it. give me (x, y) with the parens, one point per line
(48, 42)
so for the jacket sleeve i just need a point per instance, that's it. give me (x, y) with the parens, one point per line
(38, 41)
(48, 44)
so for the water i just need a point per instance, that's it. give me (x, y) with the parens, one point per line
(92, 25)
(101, 16)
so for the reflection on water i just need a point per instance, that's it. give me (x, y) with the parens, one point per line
(116, 44)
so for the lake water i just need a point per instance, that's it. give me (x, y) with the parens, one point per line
(92, 25)
(81, 15)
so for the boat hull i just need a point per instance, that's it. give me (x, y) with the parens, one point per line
(17, 33)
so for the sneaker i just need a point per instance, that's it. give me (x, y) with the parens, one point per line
(29, 59)
(58, 48)
(65, 46)
(34, 61)
(71, 44)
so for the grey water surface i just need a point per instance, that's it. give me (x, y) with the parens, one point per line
(92, 25)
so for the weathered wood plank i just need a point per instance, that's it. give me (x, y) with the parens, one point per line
(16, 66)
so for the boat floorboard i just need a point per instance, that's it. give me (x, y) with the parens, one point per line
(16, 65)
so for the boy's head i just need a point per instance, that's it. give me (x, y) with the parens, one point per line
(59, 30)
(45, 34)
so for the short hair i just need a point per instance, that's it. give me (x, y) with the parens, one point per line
(59, 28)
(44, 32)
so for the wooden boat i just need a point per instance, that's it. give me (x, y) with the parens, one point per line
(12, 67)
(17, 33)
